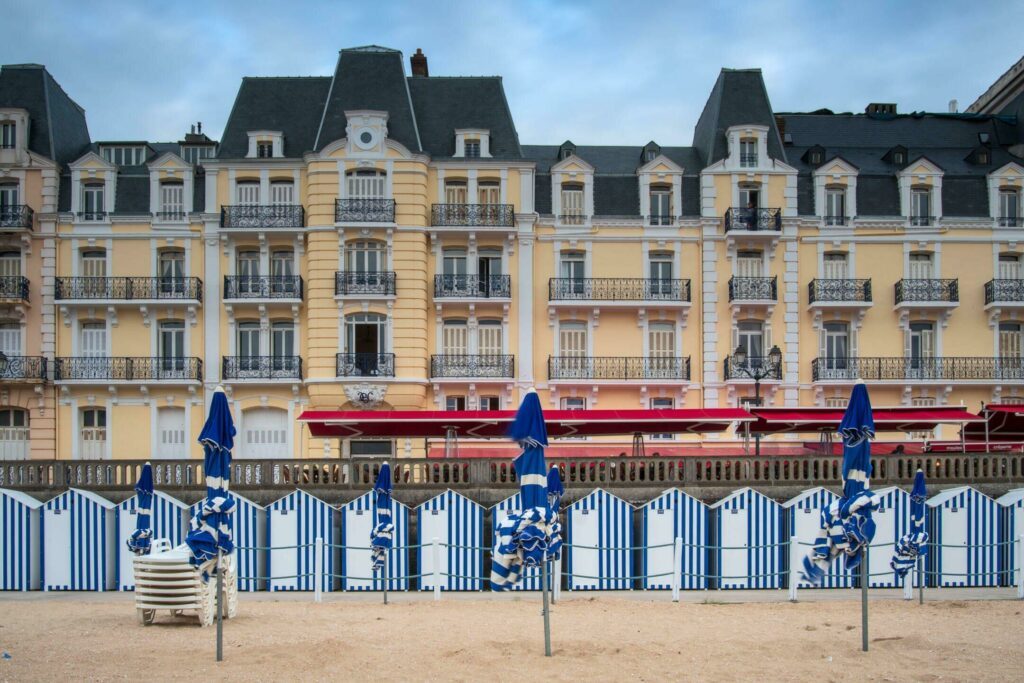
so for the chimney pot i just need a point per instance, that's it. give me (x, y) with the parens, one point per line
(200, 127)
(419, 64)
(954, 106)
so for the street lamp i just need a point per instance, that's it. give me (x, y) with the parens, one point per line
(3, 362)
(766, 369)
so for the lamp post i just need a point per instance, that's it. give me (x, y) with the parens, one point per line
(764, 369)
(3, 362)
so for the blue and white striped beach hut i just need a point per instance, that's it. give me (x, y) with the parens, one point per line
(499, 513)
(802, 518)
(19, 541)
(600, 537)
(299, 519)
(963, 531)
(169, 520)
(78, 538)
(249, 532)
(670, 515)
(358, 518)
(749, 525)
(455, 521)
(1011, 526)
(892, 520)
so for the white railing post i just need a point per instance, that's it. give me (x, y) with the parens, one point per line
(556, 580)
(1020, 567)
(908, 583)
(794, 566)
(436, 551)
(677, 567)
(318, 569)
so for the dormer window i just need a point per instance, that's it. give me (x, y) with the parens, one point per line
(835, 206)
(172, 200)
(567, 150)
(265, 144)
(264, 150)
(572, 204)
(1009, 208)
(661, 205)
(920, 206)
(748, 152)
(193, 154)
(649, 155)
(980, 156)
(651, 152)
(125, 155)
(472, 149)
(897, 156)
(93, 207)
(472, 143)
(8, 135)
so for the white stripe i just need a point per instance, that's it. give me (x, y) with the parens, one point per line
(533, 480)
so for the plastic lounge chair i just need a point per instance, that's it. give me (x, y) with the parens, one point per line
(164, 579)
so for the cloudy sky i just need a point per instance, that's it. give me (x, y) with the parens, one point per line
(594, 71)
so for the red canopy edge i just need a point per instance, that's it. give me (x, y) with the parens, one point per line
(493, 424)
(897, 419)
(1005, 423)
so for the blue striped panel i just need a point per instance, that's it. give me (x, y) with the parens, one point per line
(91, 552)
(968, 518)
(762, 560)
(531, 577)
(465, 527)
(248, 529)
(613, 562)
(169, 519)
(808, 505)
(19, 544)
(311, 518)
(894, 510)
(690, 522)
(1011, 512)
(358, 562)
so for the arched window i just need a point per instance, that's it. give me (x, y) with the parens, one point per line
(14, 430)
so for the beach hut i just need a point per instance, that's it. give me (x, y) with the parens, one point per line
(748, 524)
(458, 524)
(963, 530)
(169, 520)
(249, 532)
(1011, 526)
(499, 513)
(293, 525)
(670, 515)
(802, 518)
(78, 537)
(600, 537)
(357, 521)
(19, 541)
(892, 520)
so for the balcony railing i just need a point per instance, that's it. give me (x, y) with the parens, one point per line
(128, 288)
(349, 283)
(365, 364)
(927, 291)
(1010, 221)
(755, 365)
(364, 210)
(753, 220)
(262, 287)
(661, 219)
(92, 215)
(24, 369)
(477, 215)
(261, 367)
(472, 286)
(1004, 290)
(918, 369)
(619, 367)
(486, 365)
(14, 287)
(748, 160)
(845, 291)
(259, 216)
(16, 216)
(753, 288)
(834, 220)
(127, 369)
(617, 289)
(572, 219)
(175, 216)
(920, 220)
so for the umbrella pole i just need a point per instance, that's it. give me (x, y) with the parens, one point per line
(220, 611)
(920, 581)
(384, 571)
(864, 578)
(547, 615)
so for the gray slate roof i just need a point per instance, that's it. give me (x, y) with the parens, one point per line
(739, 97)
(443, 104)
(292, 105)
(57, 129)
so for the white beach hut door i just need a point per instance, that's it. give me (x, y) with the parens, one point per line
(586, 561)
(880, 554)
(954, 542)
(358, 525)
(661, 532)
(284, 529)
(435, 524)
(735, 568)
(171, 433)
(57, 547)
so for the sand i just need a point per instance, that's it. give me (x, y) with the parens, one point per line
(480, 639)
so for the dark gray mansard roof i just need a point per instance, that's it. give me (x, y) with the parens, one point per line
(57, 129)
(739, 97)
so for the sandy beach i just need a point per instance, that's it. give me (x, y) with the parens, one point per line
(471, 638)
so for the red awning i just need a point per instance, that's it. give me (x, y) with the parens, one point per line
(877, 447)
(974, 447)
(899, 419)
(1005, 423)
(493, 424)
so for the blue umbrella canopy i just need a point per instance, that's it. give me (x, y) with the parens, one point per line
(383, 530)
(139, 541)
(210, 531)
(555, 492)
(915, 541)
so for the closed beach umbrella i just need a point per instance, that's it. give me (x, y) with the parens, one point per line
(139, 541)
(555, 492)
(211, 529)
(915, 541)
(383, 530)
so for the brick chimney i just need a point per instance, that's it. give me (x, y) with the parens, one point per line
(419, 63)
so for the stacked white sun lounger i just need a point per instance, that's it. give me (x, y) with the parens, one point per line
(164, 580)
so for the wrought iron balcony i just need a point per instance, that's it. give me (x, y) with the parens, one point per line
(349, 283)
(262, 287)
(619, 367)
(261, 217)
(929, 291)
(127, 369)
(92, 215)
(364, 210)
(461, 365)
(1010, 221)
(129, 288)
(14, 287)
(472, 286)
(572, 219)
(754, 365)
(261, 367)
(365, 364)
(1004, 290)
(918, 369)
(920, 221)
(24, 369)
(16, 216)
(617, 289)
(753, 288)
(476, 215)
(753, 220)
(840, 291)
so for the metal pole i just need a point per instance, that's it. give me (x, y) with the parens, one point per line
(436, 552)
(556, 581)
(864, 578)
(920, 580)
(757, 402)
(677, 567)
(384, 571)
(220, 611)
(318, 569)
(794, 563)
(547, 615)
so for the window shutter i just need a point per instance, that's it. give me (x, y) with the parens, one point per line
(906, 343)
(854, 343)
(767, 338)
(822, 343)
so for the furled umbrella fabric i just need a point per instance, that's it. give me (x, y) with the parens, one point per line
(914, 543)
(210, 530)
(384, 529)
(555, 492)
(847, 526)
(141, 539)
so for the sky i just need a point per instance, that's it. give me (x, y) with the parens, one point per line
(596, 72)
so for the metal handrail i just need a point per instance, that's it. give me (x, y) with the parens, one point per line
(129, 288)
(619, 367)
(618, 289)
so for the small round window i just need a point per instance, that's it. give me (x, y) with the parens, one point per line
(366, 138)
